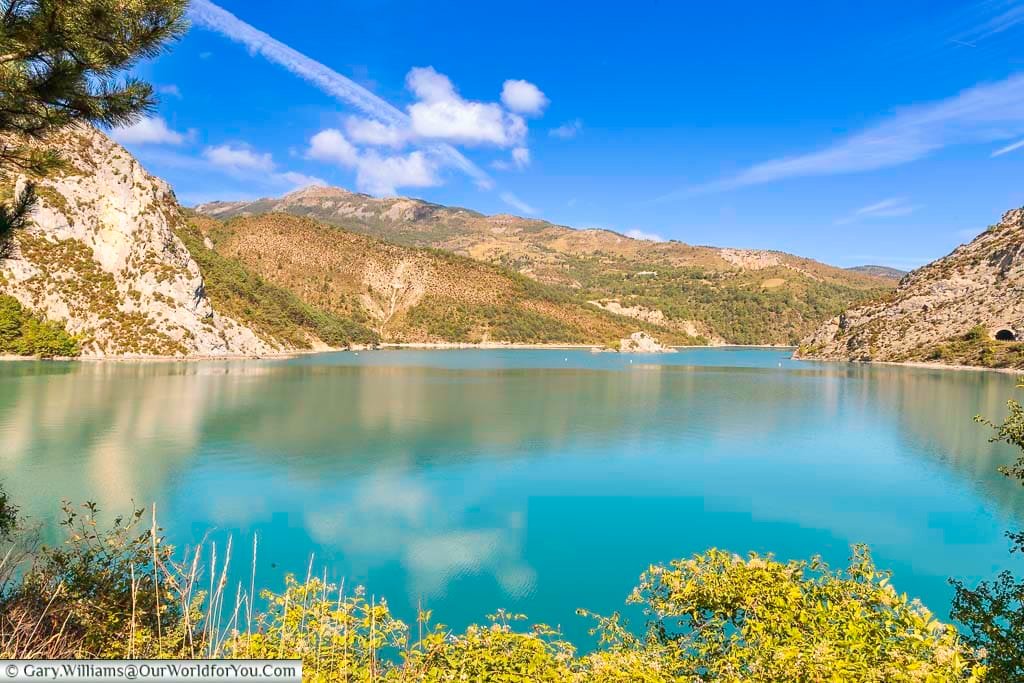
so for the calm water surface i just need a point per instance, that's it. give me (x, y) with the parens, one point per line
(539, 481)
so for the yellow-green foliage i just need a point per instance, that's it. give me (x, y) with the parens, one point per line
(713, 617)
(26, 334)
(718, 616)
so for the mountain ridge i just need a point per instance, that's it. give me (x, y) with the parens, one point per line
(728, 294)
(354, 210)
(880, 271)
(132, 274)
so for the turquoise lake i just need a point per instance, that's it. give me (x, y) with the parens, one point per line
(538, 481)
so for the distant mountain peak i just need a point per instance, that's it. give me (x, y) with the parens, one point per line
(880, 271)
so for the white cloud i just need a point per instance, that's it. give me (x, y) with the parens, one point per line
(243, 162)
(375, 174)
(567, 130)
(207, 14)
(641, 235)
(169, 89)
(370, 132)
(301, 179)
(331, 146)
(383, 175)
(523, 97)
(520, 159)
(517, 203)
(1009, 148)
(430, 86)
(984, 113)
(887, 208)
(442, 114)
(148, 131)
(998, 24)
(206, 172)
(239, 158)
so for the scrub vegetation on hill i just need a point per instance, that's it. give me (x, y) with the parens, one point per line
(740, 296)
(405, 294)
(768, 306)
(272, 312)
(975, 348)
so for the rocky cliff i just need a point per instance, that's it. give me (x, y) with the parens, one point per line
(101, 255)
(967, 308)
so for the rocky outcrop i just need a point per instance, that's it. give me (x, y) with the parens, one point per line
(102, 256)
(692, 328)
(974, 293)
(641, 342)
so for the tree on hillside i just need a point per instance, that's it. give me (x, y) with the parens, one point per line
(994, 611)
(62, 62)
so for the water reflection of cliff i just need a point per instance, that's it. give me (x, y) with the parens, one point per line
(120, 430)
(936, 407)
(405, 464)
(109, 433)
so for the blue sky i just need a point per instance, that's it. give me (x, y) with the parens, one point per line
(869, 132)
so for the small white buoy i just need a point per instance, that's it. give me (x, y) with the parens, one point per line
(566, 360)
(630, 361)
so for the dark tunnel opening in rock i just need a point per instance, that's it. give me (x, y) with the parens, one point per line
(1006, 335)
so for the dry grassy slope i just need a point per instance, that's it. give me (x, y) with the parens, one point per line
(411, 294)
(947, 311)
(741, 296)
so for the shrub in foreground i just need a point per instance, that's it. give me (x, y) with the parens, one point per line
(713, 617)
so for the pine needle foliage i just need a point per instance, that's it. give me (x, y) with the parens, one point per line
(61, 63)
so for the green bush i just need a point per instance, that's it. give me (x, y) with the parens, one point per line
(25, 334)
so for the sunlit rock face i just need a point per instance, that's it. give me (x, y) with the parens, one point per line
(979, 285)
(102, 256)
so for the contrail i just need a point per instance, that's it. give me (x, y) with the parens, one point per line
(208, 15)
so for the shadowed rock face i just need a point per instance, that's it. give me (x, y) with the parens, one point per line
(980, 285)
(102, 256)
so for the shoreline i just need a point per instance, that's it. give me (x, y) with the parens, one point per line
(483, 346)
(918, 364)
